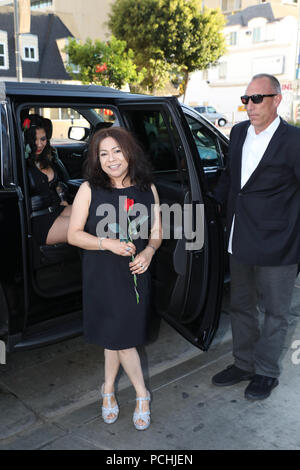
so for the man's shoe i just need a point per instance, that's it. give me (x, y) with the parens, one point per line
(230, 376)
(260, 387)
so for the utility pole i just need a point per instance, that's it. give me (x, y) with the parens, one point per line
(17, 42)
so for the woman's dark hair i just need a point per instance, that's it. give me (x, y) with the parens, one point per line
(38, 122)
(139, 169)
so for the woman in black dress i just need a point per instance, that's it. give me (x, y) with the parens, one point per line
(50, 211)
(118, 249)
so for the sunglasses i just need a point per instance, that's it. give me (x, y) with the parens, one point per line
(256, 99)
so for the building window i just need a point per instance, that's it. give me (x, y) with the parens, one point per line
(231, 5)
(4, 59)
(39, 4)
(233, 38)
(30, 52)
(224, 5)
(256, 37)
(3, 56)
(222, 70)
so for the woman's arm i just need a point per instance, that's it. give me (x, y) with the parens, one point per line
(80, 211)
(78, 237)
(155, 238)
(144, 258)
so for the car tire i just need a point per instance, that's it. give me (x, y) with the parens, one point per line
(222, 122)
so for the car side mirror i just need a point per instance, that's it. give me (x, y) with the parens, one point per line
(78, 133)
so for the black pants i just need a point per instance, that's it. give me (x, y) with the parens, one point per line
(257, 348)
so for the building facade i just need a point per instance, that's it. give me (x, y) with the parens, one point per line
(84, 18)
(229, 7)
(41, 52)
(257, 42)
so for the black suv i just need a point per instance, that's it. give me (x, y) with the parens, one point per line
(40, 286)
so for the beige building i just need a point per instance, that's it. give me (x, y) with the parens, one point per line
(88, 18)
(84, 18)
(280, 7)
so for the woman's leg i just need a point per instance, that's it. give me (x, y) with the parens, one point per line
(131, 363)
(111, 367)
(59, 228)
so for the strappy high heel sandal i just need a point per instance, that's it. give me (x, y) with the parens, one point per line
(143, 415)
(106, 411)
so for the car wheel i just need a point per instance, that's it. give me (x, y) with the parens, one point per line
(222, 122)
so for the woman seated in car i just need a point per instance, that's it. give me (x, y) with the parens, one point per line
(47, 175)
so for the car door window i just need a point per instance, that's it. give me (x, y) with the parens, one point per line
(84, 119)
(161, 142)
(206, 142)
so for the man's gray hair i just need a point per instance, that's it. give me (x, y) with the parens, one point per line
(273, 80)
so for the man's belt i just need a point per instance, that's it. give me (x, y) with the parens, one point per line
(48, 210)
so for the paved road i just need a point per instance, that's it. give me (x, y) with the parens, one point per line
(49, 398)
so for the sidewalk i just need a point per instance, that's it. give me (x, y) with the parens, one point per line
(54, 403)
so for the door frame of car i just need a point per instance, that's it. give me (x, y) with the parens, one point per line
(200, 331)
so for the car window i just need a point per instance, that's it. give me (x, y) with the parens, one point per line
(200, 109)
(160, 140)
(79, 123)
(210, 109)
(63, 118)
(206, 142)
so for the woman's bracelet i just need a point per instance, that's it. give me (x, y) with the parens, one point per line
(100, 243)
(151, 246)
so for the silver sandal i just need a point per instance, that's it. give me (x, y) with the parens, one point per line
(106, 411)
(143, 415)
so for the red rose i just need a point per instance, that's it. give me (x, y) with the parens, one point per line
(128, 204)
(26, 123)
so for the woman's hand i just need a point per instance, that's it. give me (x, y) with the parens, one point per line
(142, 261)
(117, 247)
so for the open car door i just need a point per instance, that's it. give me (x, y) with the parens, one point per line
(188, 268)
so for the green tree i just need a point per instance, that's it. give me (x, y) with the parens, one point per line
(169, 36)
(100, 63)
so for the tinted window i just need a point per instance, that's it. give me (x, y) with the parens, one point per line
(207, 143)
(63, 118)
(154, 133)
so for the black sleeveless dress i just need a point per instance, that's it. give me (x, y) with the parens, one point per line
(112, 318)
(46, 190)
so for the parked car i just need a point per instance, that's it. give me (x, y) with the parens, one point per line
(40, 286)
(212, 115)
